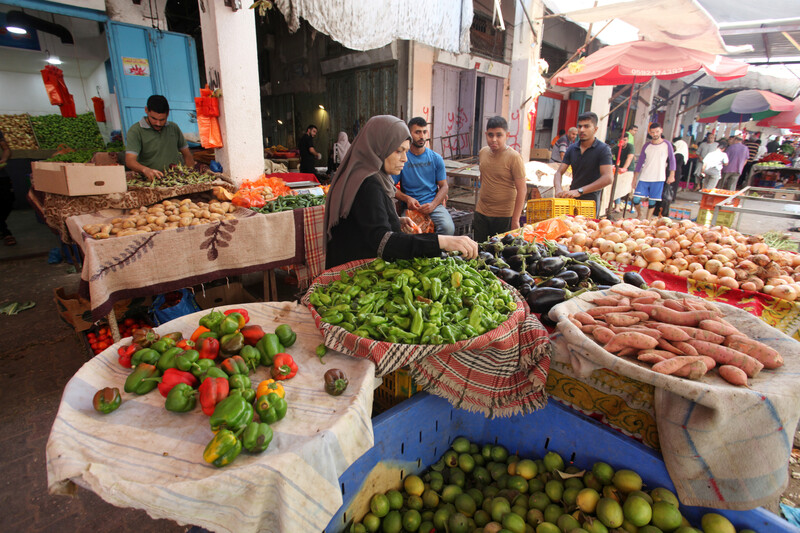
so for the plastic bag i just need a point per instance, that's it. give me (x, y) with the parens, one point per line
(668, 193)
(99, 109)
(50, 78)
(180, 303)
(210, 134)
(424, 222)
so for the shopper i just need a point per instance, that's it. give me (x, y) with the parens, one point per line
(360, 217)
(707, 146)
(6, 194)
(503, 189)
(631, 134)
(153, 143)
(773, 145)
(737, 156)
(308, 154)
(340, 148)
(423, 181)
(592, 167)
(626, 156)
(753, 144)
(654, 169)
(711, 168)
(560, 147)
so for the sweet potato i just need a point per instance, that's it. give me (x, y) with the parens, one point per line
(669, 366)
(633, 292)
(587, 329)
(687, 318)
(675, 305)
(630, 339)
(636, 329)
(620, 319)
(666, 345)
(648, 356)
(685, 347)
(694, 370)
(602, 334)
(575, 322)
(671, 333)
(702, 334)
(638, 314)
(627, 352)
(647, 300)
(604, 310)
(718, 327)
(767, 356)
(609, 300)
(728, 356)
(733, 375)
(585, 318)
(664, 354)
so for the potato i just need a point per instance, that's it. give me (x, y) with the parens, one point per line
(184, 208)
(195, 222)
(105, 228)
(145, 228)
(185, 222)
(91, 229)
(143, 209)
(141, 221)
(217, 210)
(115, 230)
(230, 217)
(128, 224)
(205, 213)
(186, 215)
(161, 220)
(173, 218)
(101, 235)
(116, 221)
(215, 216)
(202, 205)
(231, 208)
(125, 233)
(185, 201)
(166, 203)
(151, 218)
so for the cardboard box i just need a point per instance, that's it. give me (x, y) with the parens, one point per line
(209, 297)
(542, 154)
(77, 179)
(77, 311)
(787, 195)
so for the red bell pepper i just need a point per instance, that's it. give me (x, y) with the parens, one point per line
(209, 348)
(242, 312)
(186, 344)
(212, 391)
(173, 376)
(199, 331)
(283, 367)
(125, 353)
(252, 334)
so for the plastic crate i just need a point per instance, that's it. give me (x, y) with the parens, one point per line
(416, 433)
(725, 218)
(586, 208)
(545, 208)
(462, 220)
(396, 387)
(709, 199)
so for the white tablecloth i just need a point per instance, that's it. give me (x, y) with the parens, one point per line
(146, 457)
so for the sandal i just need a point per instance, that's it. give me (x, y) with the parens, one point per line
(9, 240)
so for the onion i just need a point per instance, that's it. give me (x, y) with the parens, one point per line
(693, 267)
(667, 252)
(727, 281)
(627, 225)
(685, 273)
(579, 239)
(614, 237)
(714, 247)
(713, 266)
(569, 233)
(741, 250)
(671, 269)
(657, 266)
(748, 266)
(630, 245)
(591, 224)
(698, 237)
(624, 258)
(640, 262)
(654, 254)
(605, 223)
(575, 248)
(727, 252)
(663, 233)
(767, 289)
(609, 256)
(725, 272)
(638, 233)
(605, 230)
(697, 248)
(772, 271)
(776, 281)
(784, 291)
(680, 263)
(760, 260)
(702, 275)
(727, 240)
(759, 248)
(759, 283)
(672, 245)
(748, 286)
(711, 236)
(619, 248)
(658, 284)
(606, 246)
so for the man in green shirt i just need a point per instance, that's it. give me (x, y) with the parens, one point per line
(154, 144)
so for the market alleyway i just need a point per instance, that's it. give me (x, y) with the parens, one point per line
(39, 355)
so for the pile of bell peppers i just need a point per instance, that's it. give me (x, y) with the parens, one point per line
(213, 367)
(419, 301)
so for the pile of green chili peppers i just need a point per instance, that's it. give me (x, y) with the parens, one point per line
(419, 301)
(287, 203)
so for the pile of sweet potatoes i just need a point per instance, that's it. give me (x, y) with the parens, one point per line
(684, 338)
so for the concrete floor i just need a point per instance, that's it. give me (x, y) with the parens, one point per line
(39, 355)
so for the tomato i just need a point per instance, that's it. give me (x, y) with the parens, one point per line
(129, 321)
(90, 336)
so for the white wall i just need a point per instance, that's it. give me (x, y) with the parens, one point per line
(96, 84)
(25, 93)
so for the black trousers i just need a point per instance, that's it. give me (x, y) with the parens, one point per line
(6, 202)
(485, 227)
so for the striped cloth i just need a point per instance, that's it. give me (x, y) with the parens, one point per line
(145, 457)
(500, 373)
(314, 241)
(725, 447)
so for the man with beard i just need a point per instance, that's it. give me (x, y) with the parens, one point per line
(153, 143)
(423, 181)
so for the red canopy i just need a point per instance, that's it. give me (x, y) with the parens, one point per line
(785, 119)
(640, 60)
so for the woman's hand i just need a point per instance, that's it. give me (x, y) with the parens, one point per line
(409, 226)
(463, 244)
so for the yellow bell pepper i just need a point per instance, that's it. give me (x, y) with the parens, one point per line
(270, 385)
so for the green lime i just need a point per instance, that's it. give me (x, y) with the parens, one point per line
(519, 509)
(486, 451)
(481, 475)
(570, 496)
(527, 469)
(372, 522)
(414, 502)
(379, 505)
(430, 499)
(465, 504)
(535, 485)
(534, 517)
(539, 500)
(497, 471)
(518, 483)
(481, 518)
(513, 523)
(411, 520)
(627, 480)
(667, 517)
(425, 526)
(552, 512)
(395, 498)
(553, 462)
(547, 527)
(466, 462)
(637, 511)
(414, 485)
(450, 458)
(500, 507)
(461, 445)
(358, 528)
(603, 472)
(440, 518)
(593, 525)
(392, 522)
(587, 500)
(499, 454)
(476, 495)
(716, 523)
(660, 494)
(450, 492)
(609, 512)
(458, 523)
(591, 481)
(554, 490)
(567, 522)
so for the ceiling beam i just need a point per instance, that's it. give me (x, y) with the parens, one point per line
(760, 29)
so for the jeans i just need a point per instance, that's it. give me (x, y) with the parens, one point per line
(6, 202)
(442, 220)
(730, 181)
(710, 181)
(485, 227)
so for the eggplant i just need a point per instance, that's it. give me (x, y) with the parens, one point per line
(506, 274)
(508, 251)
(533, 255)
(550, 266)
(507, 239)
(557, 283)
(491, 261)
(547, 321)
(519, 241)
(515, 262)
(527, 279)
(560, 250)
(633, 278)
(601, 275)
(494, 270)
(486, 256)
(490, 247)
(579, 256)
(603, 287)
(543, 251)
(569, 276)
(542, 299)
(582, 271)
(531, 268)
(524, 289)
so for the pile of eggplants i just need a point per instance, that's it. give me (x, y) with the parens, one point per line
(545, 273)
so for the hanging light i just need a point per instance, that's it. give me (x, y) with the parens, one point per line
(16, 30)
(322, 107)
(53, 60)
(280, 121)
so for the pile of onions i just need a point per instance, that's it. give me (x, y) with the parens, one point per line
(711, 254)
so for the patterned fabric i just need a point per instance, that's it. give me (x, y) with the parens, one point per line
(725, 447)
(500, 373)
(152, 263)
(145, 457)
(314, 241)
(56, 208)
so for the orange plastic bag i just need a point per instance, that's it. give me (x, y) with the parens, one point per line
(99, 109)
(210, 134)
(550, 229)
(424, 222)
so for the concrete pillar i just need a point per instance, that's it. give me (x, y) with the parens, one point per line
(523, 81)
(671, 123)
(229, 46)
(601, 94)
(642, 116)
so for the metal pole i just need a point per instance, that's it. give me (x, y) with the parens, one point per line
(619, 155)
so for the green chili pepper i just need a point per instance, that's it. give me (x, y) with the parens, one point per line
(321, 350)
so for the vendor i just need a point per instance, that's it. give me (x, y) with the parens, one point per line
(153, 143)
(360, 217)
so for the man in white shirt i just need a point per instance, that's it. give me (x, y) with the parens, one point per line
(650, 175)
(707, 146)
(712, 165)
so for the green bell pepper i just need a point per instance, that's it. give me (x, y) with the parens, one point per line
(256, 437)
(222, 449)
(201, 367)
(167, 359)
(138, 381)
(271, 408)
(251, 356)
(269, 346)
(107, 400)
(181, 398)
(230, 324)
(163, 344)
(212, 334)
(239, 381)
(248, 394)
(285, 335)
(233, 412)
(231, 343)
(185, 360)
(212, 320)
(235, 365)
(145, 355)
(214, 372)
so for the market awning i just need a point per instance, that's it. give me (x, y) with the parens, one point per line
(361, 25)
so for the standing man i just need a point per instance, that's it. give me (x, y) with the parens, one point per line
(423, 181)
(706, 146)
(712, 165)
(6, 194)
(773, 145)
(592, 168)
(560, 147)
(308, 154)
(737, 156)
(753, 144)
(650, 175)
(626, 156)
(153, 143)
(503, 190)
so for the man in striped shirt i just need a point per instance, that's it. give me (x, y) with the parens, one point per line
(753, 143)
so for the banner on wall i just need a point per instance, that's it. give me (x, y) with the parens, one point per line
(135, 66)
